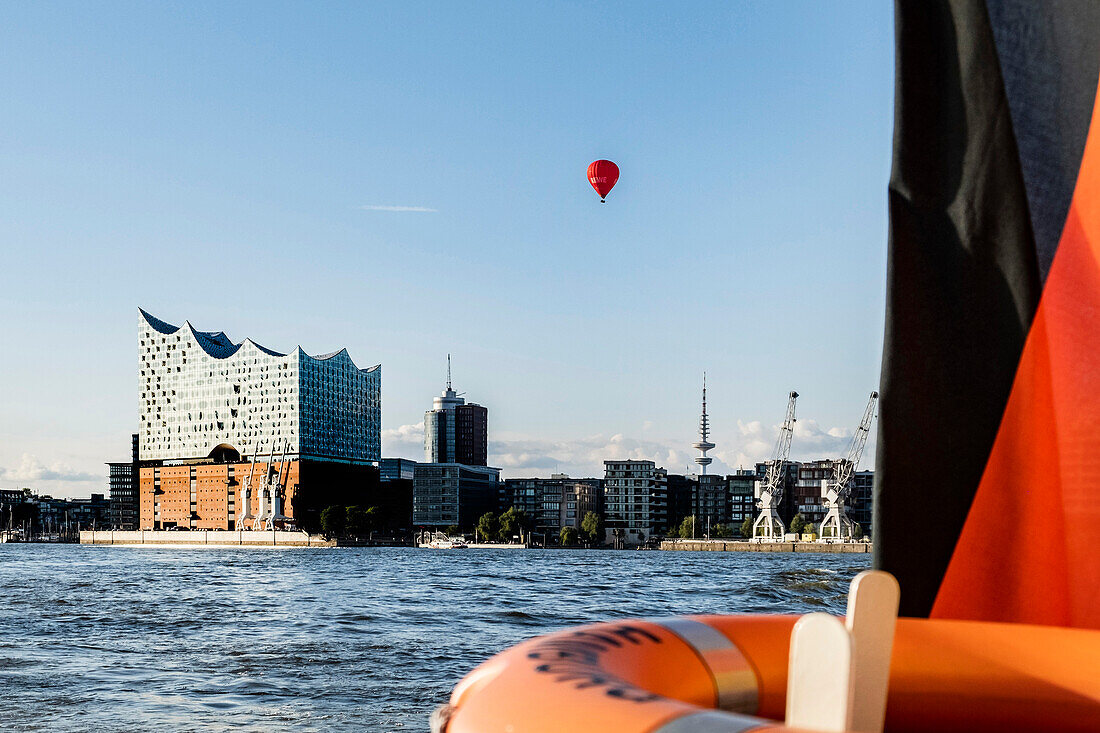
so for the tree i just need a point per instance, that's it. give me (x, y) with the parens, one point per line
(592, 526)
(512, 523)
(746, 527)
(360, 520)
(488, 526)
(452, 530)
(857, 532)
(722, 531)
(568, 536)
(334, 520)
(687, 527)
(798, 524)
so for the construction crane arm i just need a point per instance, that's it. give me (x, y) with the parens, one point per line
(843, 470)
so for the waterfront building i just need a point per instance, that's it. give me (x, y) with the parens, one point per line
(123, 489)
(742, 500)
(446, 494)
(395, 494)
(215, 415)
(54, 515)
(11, 497)
(681, 498)
(524, 494)
(553, 503)
(454, 431)
(636, 499)
(806, 498)
(860, 503)
(711, 501)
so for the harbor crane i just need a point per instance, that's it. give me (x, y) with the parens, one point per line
(768, 527)
(835, 492)
(276, 489)
(246, 498)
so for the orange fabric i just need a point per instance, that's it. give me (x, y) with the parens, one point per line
(967, 676)
(1030, 549)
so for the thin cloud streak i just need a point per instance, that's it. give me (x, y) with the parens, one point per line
(384, 207)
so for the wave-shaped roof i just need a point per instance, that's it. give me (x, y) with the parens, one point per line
(219, 346)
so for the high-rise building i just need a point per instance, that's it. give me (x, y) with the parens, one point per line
(123, 485)
(636, 499)
(456, 432)
(221, 421)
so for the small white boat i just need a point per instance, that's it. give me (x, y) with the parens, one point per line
(440, 541)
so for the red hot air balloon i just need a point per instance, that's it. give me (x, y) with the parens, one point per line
(603, 174)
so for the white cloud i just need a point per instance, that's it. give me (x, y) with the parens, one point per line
(406, 441)
(32, 469)
(583, 457)
(385, 207)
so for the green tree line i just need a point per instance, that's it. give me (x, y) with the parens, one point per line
(357, 521)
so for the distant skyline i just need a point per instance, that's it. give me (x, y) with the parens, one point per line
(409, 180)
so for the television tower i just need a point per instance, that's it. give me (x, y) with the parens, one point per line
(704, 433)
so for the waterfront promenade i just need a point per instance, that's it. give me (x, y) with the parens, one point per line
(745, 546)
(204, 538)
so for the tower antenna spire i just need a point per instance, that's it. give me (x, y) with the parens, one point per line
(704, 443)
(448, 372)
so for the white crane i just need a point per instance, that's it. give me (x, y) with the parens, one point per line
(246, 499)
(835, 492)
(276, 489)
(264, 511)
(768, 527)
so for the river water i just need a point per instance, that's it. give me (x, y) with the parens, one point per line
(110, 638)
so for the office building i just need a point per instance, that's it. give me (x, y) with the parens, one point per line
(123, 485)
(454, 431)
(446, 494)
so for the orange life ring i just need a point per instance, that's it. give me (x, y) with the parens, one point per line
(729, 673)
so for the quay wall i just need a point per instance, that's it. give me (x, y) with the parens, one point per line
(745, 546)
(203, 538)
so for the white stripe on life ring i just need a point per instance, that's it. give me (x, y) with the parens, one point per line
(734, 679)
(712, 721)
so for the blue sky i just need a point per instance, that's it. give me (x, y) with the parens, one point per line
(230, 164)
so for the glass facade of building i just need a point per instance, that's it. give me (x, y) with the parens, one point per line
(199, 391)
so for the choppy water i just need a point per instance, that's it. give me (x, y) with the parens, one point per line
(108, 638)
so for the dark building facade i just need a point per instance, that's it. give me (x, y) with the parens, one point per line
(789, 507)
(453, 493)
(741, 496)
(681, 498)
(711, 500)
(123, 484)
(860, 503)
(395, 494)
(472, 435)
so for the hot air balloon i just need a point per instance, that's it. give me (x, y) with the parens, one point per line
(603, 174)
